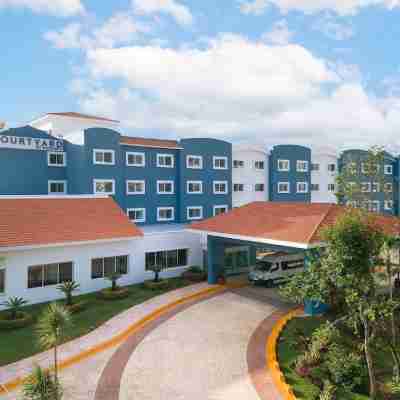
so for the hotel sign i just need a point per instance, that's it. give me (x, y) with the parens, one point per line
(27, 143)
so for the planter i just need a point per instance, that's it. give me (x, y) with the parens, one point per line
(221, 280)
(119, 293)
(76, 307)
(151, 285)
(23, 319)
(194, 276)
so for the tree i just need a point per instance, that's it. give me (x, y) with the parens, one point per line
(68, 288)
(14, 305)
(40, 385)
(51, 330)
(113, 278)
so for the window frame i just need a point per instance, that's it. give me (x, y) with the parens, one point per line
(257, 162)
(238, 184)
(377, 186)
(135, 153)
(102, 151)
(154, 255)
(368, 187)
(165, 219)
(386, 167)
(334, 167)
(283, 191)
(166, 182)
(386, 189)
(385, 205)
(51, 182)
(333, 186)
(189, 208)
(224, 206)
(305, 191)
(216, 158)
(43, 274)
(63, 153)
(241, 164)
(128, 210)
(195, 157)
(188, 183)
(95, 181)
(115, 265)
(282, 160)
(305, 163)
(314, 187)
(315, 167)
(220, 183)
(3, 269)
(135, 181)
(258, 184)
(163, 155)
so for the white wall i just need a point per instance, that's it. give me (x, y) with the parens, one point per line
(323, 177)
(248, 175)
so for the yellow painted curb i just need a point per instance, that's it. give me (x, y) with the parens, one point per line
(117, 339)
(271, 355)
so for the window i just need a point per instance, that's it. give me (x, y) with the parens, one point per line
(220, 187)
(283, 187)
(104, 186)
(283, 165)
(194, 187)
(194, 162)
(302, 166)
(135, 187)
(259, 187)
(56, 159)
(57, 187)
(238, 164)
(372, 206)
(292, 264)
(314, 167)
(194, 212)
(388, 187)
(167, 259)
(49, 274)
(375, 187)
(314, 187)
(102, 267)
(331, 167)
(165, 213)
(259, 164)
(2, 280)
(302, 187)
(220, 162)
(331, 187)
(388, 169)
(220, 210)
(137, 214)
(165, 160)
(103, 157)
(134, 159)
(366, 187)
(238, 187)
(165, 187)
(388, 206)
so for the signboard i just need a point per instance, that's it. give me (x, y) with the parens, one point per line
(27, 143)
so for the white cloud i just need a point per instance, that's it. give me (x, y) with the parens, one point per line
(63, 8)
(334, 29)
(68, 38)
(280, 34)
(178, 11)
(340, 7)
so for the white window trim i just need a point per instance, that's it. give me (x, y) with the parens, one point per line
(376, 202)
(363, 169)
(300, 169)
(386, 207)
(301, 191)
(387, 167)
(194, 182)
(194, 208)
(215, 158)
(219, 183)
(391, 187)
(135, 153)
(165, 219)
(137, 209)
(368, 187)
(334, 187)
(57, 181)
(239, 166)
(159, 155)
(259, 161)
(104, 180)
(284, 169)
(259, 191)
(95, 151)
(238, 191)
(224, 206)
(172, 185)
(378, 187)
(64, 164)
(334, 170)
(4, 268)
(284, 191)
(135, 193)
(196, 158)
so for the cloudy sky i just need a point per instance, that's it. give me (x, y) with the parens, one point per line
(317, 72)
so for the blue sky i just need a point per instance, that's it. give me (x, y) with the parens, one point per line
(308, 71)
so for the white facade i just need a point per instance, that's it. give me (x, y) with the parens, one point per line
(247, 172)
(323, 179)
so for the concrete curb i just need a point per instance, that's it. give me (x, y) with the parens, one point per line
(271, 355)
(119, 338)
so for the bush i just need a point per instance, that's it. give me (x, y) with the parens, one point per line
(23, 319)
(328, 392)
(76, 307)
(151, 285)
(109, 294)
(195, 269)
(41, 385)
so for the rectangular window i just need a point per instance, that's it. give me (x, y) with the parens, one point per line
(302, 187)
(165, 160)
(283, 165)
(134, 159)
(102, 267)
(103, 157)
(238, 187)
(137, 214)
(165, 213)
(135, 187)
(314, 167)
(331, 187)
(375, 187)
(56, 159)
(220, 187)
(167, 259)
(57, 187)
(388, 187)
(283, 187)
(292, 264)
(259, 164)
(104, 186)
(165, 187)
(366, 187)
(314, 187)
(2, 280)
(194, 187)
(331, 167)
(220, 210)
(220, 162)
(49, 274)
(238, 164)
(302, 166)
(388, 169)
(388, 204)
(194, 162)
(194, 212)
(259, 187)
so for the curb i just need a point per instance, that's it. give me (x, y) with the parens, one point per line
(271, 355)
(119, 338)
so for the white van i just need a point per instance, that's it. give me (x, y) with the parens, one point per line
(272, 267)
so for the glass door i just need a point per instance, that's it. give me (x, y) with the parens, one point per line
(236, 260)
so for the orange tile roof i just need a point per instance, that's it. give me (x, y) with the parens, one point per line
(284, 222)
(144, 142)
(47, 221)
(79, 115)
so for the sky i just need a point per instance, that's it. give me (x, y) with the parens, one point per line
(313, 72)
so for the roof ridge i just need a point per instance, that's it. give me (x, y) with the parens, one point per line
(309, 239)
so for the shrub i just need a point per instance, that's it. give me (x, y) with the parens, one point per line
(67, 288)
(328, 392)
(195, 269)
(76, 307)
(109, 294)
(14, 305)
(22, 319)
(152, 285)
(113, 278)
(40, 385)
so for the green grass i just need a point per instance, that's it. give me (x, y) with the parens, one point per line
(21, 343)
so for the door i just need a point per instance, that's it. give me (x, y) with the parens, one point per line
(236, 260)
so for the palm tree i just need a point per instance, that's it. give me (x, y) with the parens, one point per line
(14, 304)
(156, 269)
(51, 328)
(67, 288)
(113, 277)
(41, 386)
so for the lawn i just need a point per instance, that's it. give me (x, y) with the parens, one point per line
(21, 343)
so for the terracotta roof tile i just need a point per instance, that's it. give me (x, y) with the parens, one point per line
(144, 142)
(48, 221)
(79, 115)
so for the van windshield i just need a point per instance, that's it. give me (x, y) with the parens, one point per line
(264, 266)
